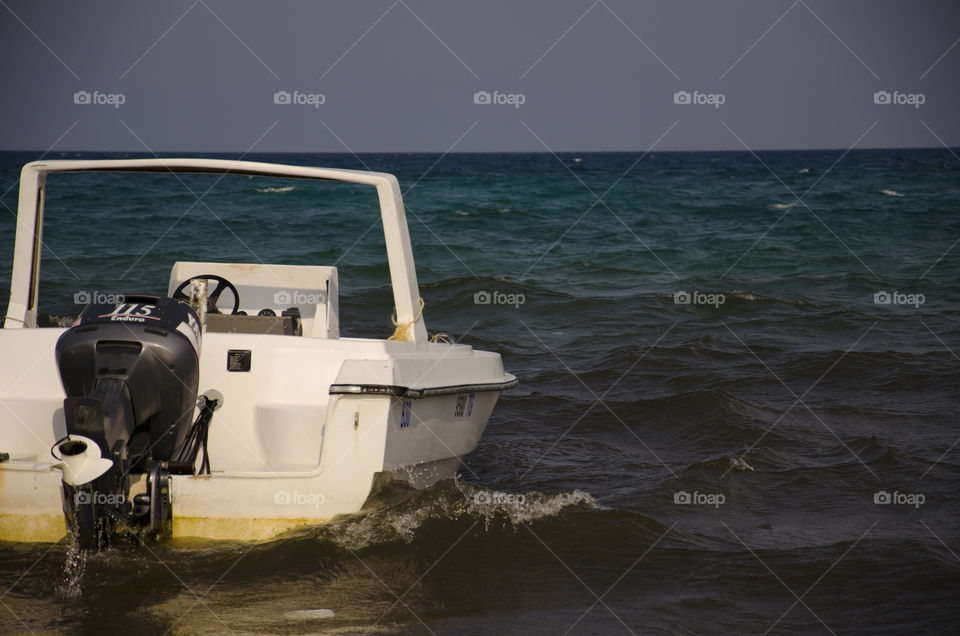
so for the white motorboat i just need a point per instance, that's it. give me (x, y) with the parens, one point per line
(230, 408)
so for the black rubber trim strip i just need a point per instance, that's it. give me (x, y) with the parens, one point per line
(416, 394)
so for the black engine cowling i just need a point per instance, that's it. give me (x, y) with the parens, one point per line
(130, 372)
(131, 368)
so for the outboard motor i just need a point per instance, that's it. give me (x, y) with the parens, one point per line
(130, 372)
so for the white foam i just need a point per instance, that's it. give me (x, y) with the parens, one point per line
(890, 193)
(310, 614)
(522, 508)
(390, 523)
(783, 206)
(550, 506)
(272, 189)
(803, 170)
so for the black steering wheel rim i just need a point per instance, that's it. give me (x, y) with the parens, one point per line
(214, 296)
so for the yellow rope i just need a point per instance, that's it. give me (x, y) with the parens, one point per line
(402, 332)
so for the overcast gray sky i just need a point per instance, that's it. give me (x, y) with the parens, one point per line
(404, 75)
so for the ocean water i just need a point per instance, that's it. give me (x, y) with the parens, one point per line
(738, 409)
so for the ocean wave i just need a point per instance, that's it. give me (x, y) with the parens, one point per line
(732, 297)
(890, 193)
(273, 189)
(753, 297)
(727, 463)
(816, 461)
(460, 287)
(395, 511)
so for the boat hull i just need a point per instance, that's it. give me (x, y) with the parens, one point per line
(286, 450)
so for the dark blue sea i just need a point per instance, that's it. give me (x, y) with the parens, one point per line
(738, 408)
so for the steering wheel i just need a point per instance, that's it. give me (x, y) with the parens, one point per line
(212, 297)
